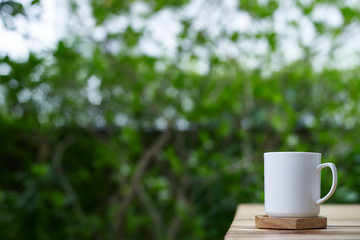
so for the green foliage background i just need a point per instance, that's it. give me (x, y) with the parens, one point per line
(167, 152)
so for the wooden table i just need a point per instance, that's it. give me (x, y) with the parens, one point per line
(343, 222)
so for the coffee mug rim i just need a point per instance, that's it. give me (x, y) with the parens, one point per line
(290, 152)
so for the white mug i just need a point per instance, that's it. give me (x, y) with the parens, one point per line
(292, 183)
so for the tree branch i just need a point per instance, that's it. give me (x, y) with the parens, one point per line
(180, 199)
(152, 211)
(136, 178)
(59, 171)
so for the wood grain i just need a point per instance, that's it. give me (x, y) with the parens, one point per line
(343, 222)
(263, 221)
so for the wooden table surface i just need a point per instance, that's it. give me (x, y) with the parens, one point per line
(343, 222)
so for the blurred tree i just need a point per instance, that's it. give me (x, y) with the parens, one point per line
(100, 139)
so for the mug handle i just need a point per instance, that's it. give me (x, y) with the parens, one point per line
(334, 181)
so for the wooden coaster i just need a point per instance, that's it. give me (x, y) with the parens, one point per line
(264, 221)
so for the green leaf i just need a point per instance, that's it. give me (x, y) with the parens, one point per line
(235, 36)
(34, 2)
(11, 7)
(175, 163)
(40, 170)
